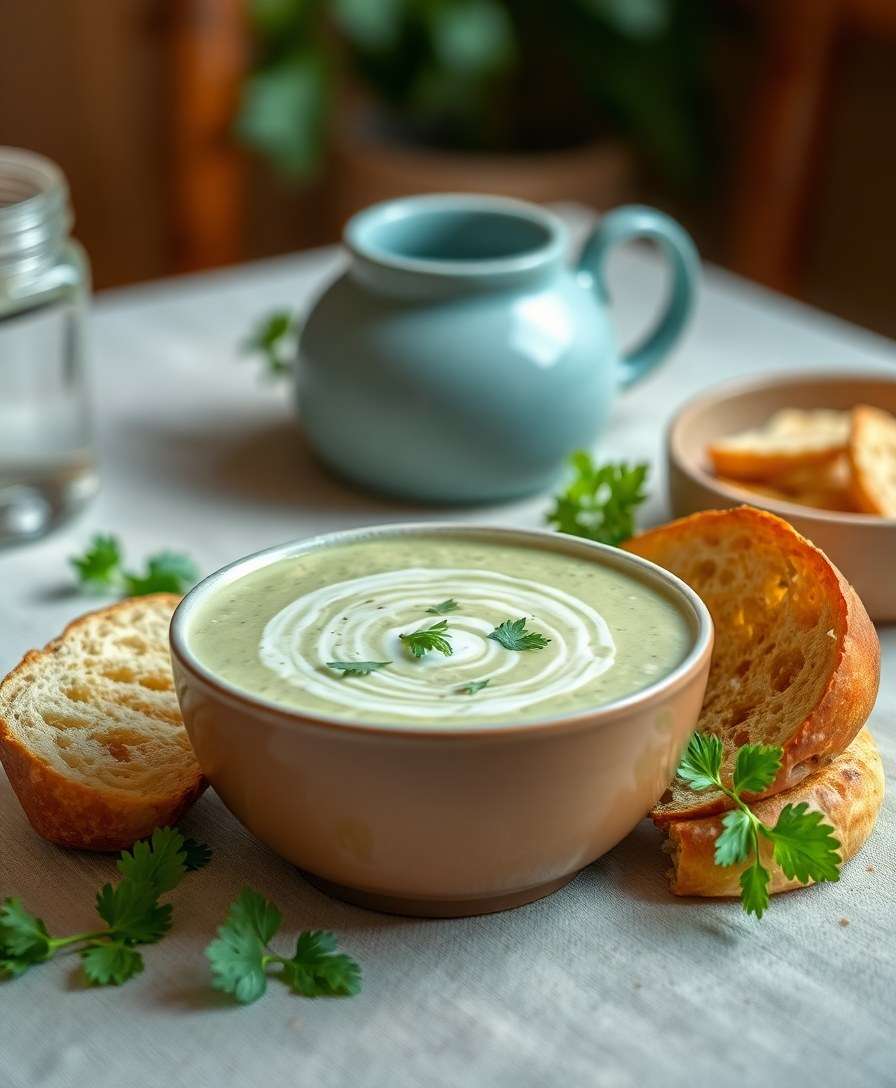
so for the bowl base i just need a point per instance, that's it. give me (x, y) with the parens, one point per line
(436, 908)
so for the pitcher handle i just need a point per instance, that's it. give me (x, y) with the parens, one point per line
(639, 221)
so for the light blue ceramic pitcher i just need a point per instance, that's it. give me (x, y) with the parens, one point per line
(459, 358)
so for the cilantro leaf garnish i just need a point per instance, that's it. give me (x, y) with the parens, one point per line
(435, 637)
(273, 339)
(474, 686)
(512, 635)
(101, 567)
(130, 909)
(240, 955)
(450, 605)
(803, 845)
(357, 668)
(600, 502)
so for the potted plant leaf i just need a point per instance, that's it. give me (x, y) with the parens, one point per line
(541, 101)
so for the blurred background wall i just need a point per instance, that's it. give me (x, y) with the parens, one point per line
(195, 133)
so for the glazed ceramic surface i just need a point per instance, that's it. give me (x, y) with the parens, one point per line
(459, 358)
(862, 546)
(442, 822)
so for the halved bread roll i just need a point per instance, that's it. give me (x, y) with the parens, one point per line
(872, 457)
(849, 791)
(91, 735)
(796, 661)
(790, 439)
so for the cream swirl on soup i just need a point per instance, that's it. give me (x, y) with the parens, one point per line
(363, 618)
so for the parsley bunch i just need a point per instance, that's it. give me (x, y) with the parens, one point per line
(273, 339)
(241, 955)
(600, 503)
(100, 568)
(803, 845)
(130, 909)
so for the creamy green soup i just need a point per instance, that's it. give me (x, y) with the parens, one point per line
(603, 634)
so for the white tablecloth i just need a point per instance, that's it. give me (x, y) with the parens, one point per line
(611, 981)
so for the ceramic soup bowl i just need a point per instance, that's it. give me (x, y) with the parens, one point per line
(461, 358)
(442, 821)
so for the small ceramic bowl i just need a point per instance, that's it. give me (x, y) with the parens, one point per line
(429, 821)
(862, 546)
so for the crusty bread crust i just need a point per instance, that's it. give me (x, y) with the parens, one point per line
(92, 815)
(849, 791)
(872, 459)
(785, 579)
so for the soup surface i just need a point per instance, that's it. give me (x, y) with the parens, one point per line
(303, 631)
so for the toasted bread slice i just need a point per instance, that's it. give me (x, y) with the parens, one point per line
(823, 486)
(796, 661)
(91, 735)
(849, 791)
(790, 439)
(872, 457)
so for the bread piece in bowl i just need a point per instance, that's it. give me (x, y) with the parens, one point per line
(91, 735)
(849, 791)
(872, 458)
(791, 439)
(796, 661)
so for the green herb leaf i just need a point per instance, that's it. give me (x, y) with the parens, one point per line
(754, 888)
(474, 686)
(158, 861)
(357, 668)
(24, 939)
(196, 855)
(100, 566)
(132, 912)
(110, 962)
(274, 340)
(702, 761)
(167, 572)
(736, 839)
(805, 846)
(756, 766)
(317, 970)
(512, 635)
(600, 502)
(238, 955)
(429, 638)
(450, 605)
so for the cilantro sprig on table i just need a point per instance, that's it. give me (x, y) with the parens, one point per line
(273, 339)
(803, 845)
(241, 955)
(425, 639)
(600, 501)
(101, 567)
(130, 910)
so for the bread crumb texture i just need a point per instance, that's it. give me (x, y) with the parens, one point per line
(91, 734)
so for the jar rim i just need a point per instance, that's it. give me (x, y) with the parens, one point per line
(35, 216)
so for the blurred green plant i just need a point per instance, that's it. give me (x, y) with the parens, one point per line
(499, 75)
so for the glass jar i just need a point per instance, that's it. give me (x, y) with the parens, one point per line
(47, 467)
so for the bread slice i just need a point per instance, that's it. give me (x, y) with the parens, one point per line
(849, 791)
(790, 439)
(872, 457)
(824, 486)
(91, 735)
(796, 661)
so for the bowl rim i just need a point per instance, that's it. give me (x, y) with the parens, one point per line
(687, 600)
(744, 386)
